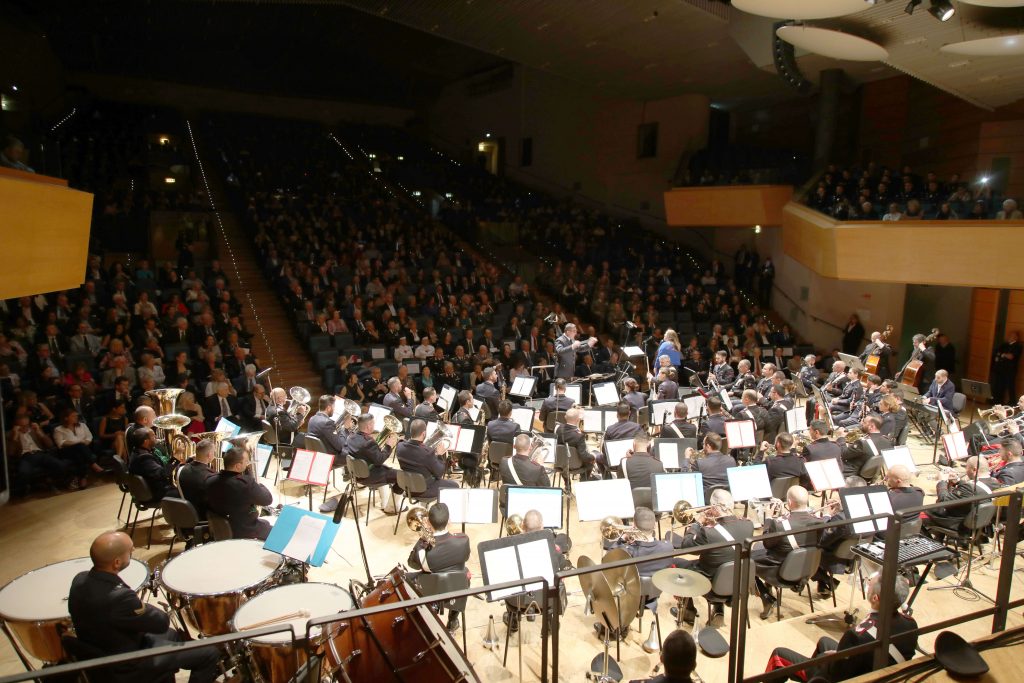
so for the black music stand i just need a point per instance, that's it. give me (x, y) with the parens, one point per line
(976, 391)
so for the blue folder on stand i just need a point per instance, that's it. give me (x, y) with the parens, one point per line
(286, 526)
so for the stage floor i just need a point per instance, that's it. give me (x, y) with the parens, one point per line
(39, 531)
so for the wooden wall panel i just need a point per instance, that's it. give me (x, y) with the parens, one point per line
(726, 206)
(1015, 323)
(982, 332)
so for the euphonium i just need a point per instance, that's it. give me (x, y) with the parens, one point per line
(299, 403)
(351, 409)
(538, 448)
(392, 425)
(514, 525)
(853, 436)
(166, 398)
(416, 519)
(441, 434)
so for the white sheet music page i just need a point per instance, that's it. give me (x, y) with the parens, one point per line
(535, 560)
(796, 419)
(521, 386)
(740, 434)
(674, 487)
(955, 445)
(302, 462)
(546, 501)
(662, 413)
(617, 450)
(606, 394)
(825, 474)
(593, 420)
(575, 392)
(857, 506)
(456, 500)
(695, 405)
(880, 505)
(749, 482)
(726, 399)
(304, 540)
(320, 470)
(464, 444)
(523, 417)
(900, 455)
(597, 499)
(448, 394)
(668, 453)
(502, 565)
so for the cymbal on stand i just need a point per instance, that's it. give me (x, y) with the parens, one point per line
(682, 583)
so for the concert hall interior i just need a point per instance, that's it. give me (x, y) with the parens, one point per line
(465, 340)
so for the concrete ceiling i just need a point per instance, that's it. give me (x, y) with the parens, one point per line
(657, 48)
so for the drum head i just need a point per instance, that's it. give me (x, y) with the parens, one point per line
(42, 594)
(313, 599)
(221, 567)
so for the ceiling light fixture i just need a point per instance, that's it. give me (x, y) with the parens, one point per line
(942, 10)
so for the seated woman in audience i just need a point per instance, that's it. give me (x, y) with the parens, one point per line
(944, 213)
(144, 308)
(210, 350)
(11, 351)
(188, 406)
(150, 369)
(894, 213)
(112, 428)
(352, 389)
(37, 411)
(80, 375)
(1010, 212)
(914, 211)
(180, 366)
(476, 376)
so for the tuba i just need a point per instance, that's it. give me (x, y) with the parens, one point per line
(168, 421)
(246, 442)
(392, 425)
(299, 403)
(441, 434)
(166, 398)
(416, 519)
(514, 525)
(538, 448)
(183, 448)
(351, 409)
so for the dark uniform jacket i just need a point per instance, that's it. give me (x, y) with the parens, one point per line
(785, 465)
(755, 412)
(236, 496)
(1011, 473)
(364, 448)
(742, 383)
(906, 497)
(822, 449)
(520, 471)
(413, 456)
(808, 376)
(399, 404)
(502, 429)
(697, 535)
(635, 399)
(157, 475)
(449, 553)
(893, 423)
(572, 436)
(714, 423)
(724, 375)
(866, 632)
(322, 427)
(192, 479)
(668, 389)
(558, 403)
(953, 515)
(712, 468)
(426, 411)
(858, 453)
(621, 430)
(286, 424)
(778, 548)
(679, 429)
(489, 394)
(775, 419)
(108, 615)
(639, 467)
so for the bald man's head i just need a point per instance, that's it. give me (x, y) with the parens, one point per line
(898, 477)
(111, 551)
(797, 498)
(533, 521)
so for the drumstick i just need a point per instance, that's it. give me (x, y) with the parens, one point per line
(283, 617)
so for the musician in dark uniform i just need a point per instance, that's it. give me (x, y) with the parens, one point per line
(569, 434)
(957, 488)
(722, 371)
(362, 446)
(747, 408)
(1013, 471)
(633, 396)
(765, 383)
(715, 422)
(645, 544)
(902, 494)
(520, 470)
(559, 403)
(109, 616)
(503, 428)
(323, 427)
(679, 427)
(835, 382)
(808, 375)
(144, 463)
(194, 476)
(718, 524)
(768, 559)
(745, 379)
(566, 348)
(401, 400)
(712, 464)
(784, 464)
(820, 447)
(640, 464)
(830, 540)
(940, 391)
(925, 354)
(445, 552)
(775, 419)
(865, 632)
(855, 455)
(427, 409)
(1006, 360)
(668, 384)
(234, 494)
(844, 405)
(462, 415)
(488, 393)
(414, 456)
(878, 347)
(679, 657)
(278, 415)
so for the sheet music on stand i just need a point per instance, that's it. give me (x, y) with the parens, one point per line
(749, 482)
(672, 452)
(226, 426)
(955, 445)
(302, 535)
(952, 424)
(663, 411)
(573, 391)
(852, 362)
(597, 420)
(470, 506)
(545, 500)
(523, 386)
(309, 467)
(515, 558)
(447, 394)
(378, 411)
(741, 434)
(820, 399)
(413, 365)
(595, 500)
(695, 405)
(606, 394)
(796, 420)
(726, 399)
(864, 501)
(617, 450)
(261, 461)
(825, 475)
(668, 488)
(632, 352)
(470, 439)
(474, 412)
(523, 417)
(899, 455)
(551, 443)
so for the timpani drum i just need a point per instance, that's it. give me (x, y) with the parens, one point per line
(208, 583)
(34, 606)
(277, 657)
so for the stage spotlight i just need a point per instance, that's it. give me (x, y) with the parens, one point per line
(909, 9)
(941, 10)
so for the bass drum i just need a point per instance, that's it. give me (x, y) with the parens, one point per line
(277, 657)
(413, 642)
(208, 583)
(34, 606)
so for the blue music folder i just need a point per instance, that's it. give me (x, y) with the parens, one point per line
(294, 535)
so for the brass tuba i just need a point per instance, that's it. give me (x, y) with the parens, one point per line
(184, 448)
(351, 409)
(247, 442)
(416, 519)
(392, 425)
(441, 434)
(166, 398)
(514, 525)
(169, 422)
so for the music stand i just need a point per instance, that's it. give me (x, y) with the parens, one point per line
(545, 500)
(523, 386)
(514, 558)
(668, 488)
(595, 500)
(470, 506)
(976, 391)
(310, 468)
(302, 535)
(852, 362)
(672, 452)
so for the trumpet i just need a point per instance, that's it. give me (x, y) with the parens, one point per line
(999, 413)
(612, 530)
(416, 519)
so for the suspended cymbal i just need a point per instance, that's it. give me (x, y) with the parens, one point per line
(682, 583)
(586, 580)
(616, 602)
(619, 577)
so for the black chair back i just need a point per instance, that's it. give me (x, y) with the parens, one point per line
(498, 451)
(721, 582)
(444, 582)
(980, 516)
(413, 483)
(180, 514)
(642, 497)
(220, 527)
(138, 489)
(314, 444)
(357, 469)
(872, 468)
(800, 564)
(781, 485)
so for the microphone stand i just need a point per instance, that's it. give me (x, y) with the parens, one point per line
(339, 513)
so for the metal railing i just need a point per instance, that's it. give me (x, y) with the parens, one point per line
(550, 619)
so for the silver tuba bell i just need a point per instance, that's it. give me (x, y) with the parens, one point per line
(441, 434)
(247, 442)
(299, 405)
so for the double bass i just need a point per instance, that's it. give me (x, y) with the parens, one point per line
(911, 374)
(874, 359)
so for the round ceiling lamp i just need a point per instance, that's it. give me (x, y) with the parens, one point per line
(801, 9)
(993, 3)
(997, 46)
(835, 44)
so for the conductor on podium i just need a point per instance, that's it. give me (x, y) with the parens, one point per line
(566, 348)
